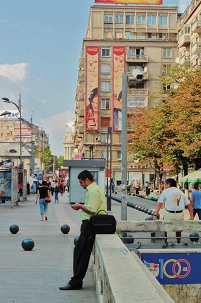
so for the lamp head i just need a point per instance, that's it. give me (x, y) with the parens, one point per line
(6, 100)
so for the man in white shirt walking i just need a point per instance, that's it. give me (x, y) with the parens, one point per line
(175, 202)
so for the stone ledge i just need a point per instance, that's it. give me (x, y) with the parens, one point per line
(159, 225)
(120, 277)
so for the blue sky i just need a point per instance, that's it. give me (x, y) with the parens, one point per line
(40, 43)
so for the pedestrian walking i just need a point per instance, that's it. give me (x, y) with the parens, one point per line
(52, 187)
(43, 191)
(56, 192)
(196, 200)
(175, 202)
(94, 202)
(28, 188)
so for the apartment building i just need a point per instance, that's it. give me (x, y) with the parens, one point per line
(189, 34)
(10, 138)
(138, 40)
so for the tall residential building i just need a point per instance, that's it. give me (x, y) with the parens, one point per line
(138, 40)
(189, 34)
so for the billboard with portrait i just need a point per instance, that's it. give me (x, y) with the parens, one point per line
(92, 91)
(118, 67)
(5, 184)
(149, 2)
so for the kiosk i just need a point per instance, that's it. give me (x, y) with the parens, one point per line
(96, 167)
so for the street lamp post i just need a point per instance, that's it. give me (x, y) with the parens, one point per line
(19, 107)
(32, 143)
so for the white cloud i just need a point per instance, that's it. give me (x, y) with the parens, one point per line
(14, 72)
(44, 101)
(57, 123)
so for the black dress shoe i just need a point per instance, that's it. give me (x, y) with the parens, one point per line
(70, 287)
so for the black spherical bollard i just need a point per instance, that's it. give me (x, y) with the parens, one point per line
(149, 212)
(150, 218)
(28, 244)
(194, 237)
(130, 239)
(146, 210)
(65, 229)
(14, 228)
(76, 240)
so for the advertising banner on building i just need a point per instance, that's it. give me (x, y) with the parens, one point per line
(92, 89)
(118, 67)
(174, 268)
(149, 2)
(25, 131)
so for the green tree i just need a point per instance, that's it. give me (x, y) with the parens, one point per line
(60, 160)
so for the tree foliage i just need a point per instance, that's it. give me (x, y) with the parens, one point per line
(60, 160)
(170, 133)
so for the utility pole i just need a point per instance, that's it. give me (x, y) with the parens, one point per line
(124, 148)
(32, 147)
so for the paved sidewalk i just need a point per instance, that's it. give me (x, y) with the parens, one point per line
(35, 276)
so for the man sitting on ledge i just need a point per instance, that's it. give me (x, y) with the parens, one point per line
(94, 202)
(175, 202)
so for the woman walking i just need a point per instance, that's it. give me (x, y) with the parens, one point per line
(42, 192)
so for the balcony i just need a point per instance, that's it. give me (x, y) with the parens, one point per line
(184, 60)
(141, 77)
(80, 112)
(136, 58)
(184, 40)
(81, 129)
(137, 92)
(196, 27)
(196, 48)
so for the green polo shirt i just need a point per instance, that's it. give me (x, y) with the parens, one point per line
(94, 201)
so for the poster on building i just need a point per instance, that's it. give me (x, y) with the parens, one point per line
(118, 67)
(149, 2)
(5, 184)
(92, 89)
(25, 131)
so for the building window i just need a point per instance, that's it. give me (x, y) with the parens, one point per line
(105, 103)
(108, 19)
(105, 52)
(136, 51)
(104, 155)
(166, 88)
(152, 36)
(167, 53)
(163, 20)
(136, 85)
(119, 154)
(105, 69)
(103, 139)
(130, 19)
(141, 19)
(129, 35)
(105, 121)
(166, 69)
(105, 86)
(152, 20)
(119, 19)
(162, 36)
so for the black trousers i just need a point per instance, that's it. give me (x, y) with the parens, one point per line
(82, 253)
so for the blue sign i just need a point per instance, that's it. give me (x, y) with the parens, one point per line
(174, 268)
